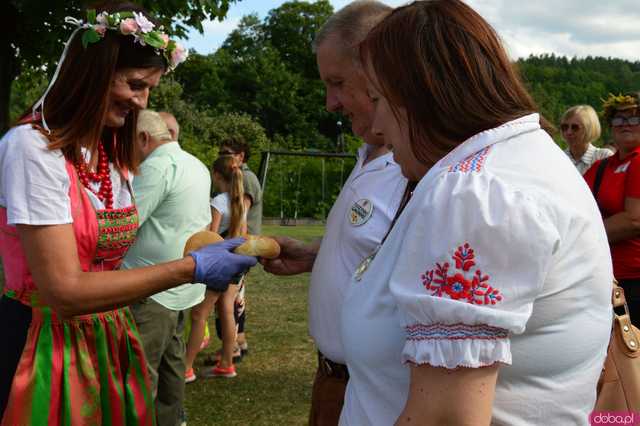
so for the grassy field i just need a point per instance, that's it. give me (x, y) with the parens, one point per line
(273, 386)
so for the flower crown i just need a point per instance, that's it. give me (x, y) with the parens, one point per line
(135, 24)
(617, 103)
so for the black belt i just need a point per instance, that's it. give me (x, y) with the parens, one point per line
(332, 369)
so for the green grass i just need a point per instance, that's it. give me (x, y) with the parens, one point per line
(273, 386)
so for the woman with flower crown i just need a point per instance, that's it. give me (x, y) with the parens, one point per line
(616, 188)
(67, 214)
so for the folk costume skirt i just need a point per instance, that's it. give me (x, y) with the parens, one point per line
(89, 370)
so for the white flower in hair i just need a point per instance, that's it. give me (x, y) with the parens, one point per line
(102, 19)
(142, 21)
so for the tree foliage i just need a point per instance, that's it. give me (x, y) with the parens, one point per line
(558, 82)
(267, 69)
(263, 84)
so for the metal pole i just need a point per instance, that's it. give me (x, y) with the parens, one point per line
(323, 185)
(264, 167)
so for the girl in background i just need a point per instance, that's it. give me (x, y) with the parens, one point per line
(229, 219)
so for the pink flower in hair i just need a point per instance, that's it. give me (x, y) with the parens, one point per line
(164, 38)
(142, 21)
(100, 29)
(128, 26)
(178, 55)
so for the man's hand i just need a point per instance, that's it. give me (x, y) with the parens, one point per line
(295, 257)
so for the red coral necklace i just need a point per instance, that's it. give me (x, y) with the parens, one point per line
(102, 175)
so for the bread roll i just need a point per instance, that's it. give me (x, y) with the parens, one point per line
(201, 239)
(259, 246)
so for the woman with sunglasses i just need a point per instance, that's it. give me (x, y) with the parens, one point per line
(615, 182)
(580, 127)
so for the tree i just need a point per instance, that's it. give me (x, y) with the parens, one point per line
(291, 28)
(34, 31)
(268, 70)
(202, 130)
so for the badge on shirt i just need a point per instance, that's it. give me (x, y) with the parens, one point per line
(360, 212)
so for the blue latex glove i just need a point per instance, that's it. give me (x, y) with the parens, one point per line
(217, 266)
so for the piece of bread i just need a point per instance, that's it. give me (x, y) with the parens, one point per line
(259, 246)
(201, 239)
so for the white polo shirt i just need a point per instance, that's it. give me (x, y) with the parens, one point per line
(356, 224)
(500, 256)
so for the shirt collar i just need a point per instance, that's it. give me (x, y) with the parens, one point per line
(478, 142)
(165, 148)
(629, 156)
(377, 163)
(587, 157)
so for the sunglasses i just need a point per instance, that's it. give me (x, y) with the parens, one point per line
(226, 152)
(621, 121)
(574, 127)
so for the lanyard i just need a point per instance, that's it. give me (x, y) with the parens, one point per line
(408, 192)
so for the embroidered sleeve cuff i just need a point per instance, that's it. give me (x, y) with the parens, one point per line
(456, 345)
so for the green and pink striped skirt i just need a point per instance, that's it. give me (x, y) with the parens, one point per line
(89, 370)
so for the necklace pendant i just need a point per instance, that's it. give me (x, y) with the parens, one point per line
(364, 265)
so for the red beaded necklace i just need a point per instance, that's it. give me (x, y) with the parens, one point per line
(103, 175)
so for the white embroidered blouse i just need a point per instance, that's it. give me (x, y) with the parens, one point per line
(500, 256)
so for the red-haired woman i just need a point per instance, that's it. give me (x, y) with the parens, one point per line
(70, 354)
(489, 300)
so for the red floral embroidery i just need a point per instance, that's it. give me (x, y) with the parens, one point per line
(463, 283)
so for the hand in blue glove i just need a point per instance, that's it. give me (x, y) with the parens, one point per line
(216, 266)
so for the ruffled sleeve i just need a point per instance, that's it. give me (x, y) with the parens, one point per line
(472, 263)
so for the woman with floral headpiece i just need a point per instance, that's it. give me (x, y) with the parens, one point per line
(71, 354)
(615, 182)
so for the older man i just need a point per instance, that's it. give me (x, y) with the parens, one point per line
(361, 215)
(172, 197)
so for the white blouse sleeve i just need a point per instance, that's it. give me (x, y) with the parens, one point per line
(220, 202)
(34, 184)
(472, 263)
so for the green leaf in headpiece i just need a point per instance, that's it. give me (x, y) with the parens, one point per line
(90, 36)
(153, 39)
(91, 16)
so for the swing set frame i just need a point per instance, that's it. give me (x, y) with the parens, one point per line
(264, 169)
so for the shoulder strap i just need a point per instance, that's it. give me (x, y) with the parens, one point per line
(598, 179)
(623, 320)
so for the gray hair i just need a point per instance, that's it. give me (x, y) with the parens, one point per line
(351, 24)
(150, 121)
